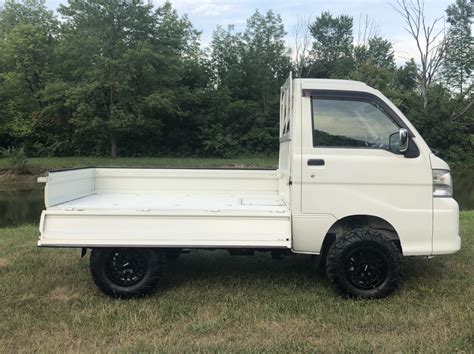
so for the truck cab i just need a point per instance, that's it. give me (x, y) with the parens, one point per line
(356, 185)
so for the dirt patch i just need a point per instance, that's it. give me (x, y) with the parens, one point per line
(4, 263)
(63, 294)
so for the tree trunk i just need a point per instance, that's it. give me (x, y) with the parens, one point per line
(424, 93)
(113, 145)
(425, 99)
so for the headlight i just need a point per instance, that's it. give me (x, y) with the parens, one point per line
(442, 183)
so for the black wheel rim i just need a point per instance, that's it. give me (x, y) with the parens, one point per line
(126, 267)
(366, 267)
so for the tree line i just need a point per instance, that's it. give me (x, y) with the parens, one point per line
(108, 77)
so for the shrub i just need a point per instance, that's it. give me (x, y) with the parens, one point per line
(17, 159)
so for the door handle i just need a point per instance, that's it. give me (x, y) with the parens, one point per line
(315, 162)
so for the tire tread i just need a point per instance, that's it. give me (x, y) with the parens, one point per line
(146, 286)
(335, 255)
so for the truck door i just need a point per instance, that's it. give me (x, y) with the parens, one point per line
(351, 166)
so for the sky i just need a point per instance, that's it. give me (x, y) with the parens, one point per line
(207, 14)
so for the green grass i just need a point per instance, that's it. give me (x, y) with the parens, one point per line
(209, 301)
(41, 164)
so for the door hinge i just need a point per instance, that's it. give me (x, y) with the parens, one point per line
(290, 182)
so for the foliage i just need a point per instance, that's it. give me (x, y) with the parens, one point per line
(458, 68)
(124, 78)
(16, 158)
(459, 61)
(332, 46)
(248, 69)
(114, 50)
(374, 64)
(27, 41)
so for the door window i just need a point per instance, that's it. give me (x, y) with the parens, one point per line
(351, 124)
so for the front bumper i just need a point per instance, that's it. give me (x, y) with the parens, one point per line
(446, 238)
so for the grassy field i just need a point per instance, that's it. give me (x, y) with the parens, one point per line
(214, 302)
(41, 164)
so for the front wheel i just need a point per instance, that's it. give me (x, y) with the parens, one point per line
(125, 272)
(364, 263)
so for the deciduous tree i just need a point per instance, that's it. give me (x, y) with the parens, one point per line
(332, 46)
(429, 39)
(459, 61)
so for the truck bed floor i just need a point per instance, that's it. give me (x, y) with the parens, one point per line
(175, 203)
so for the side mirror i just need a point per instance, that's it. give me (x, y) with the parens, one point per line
(403, 145)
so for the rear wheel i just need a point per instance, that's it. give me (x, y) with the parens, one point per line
(126, 272)
(364, 263)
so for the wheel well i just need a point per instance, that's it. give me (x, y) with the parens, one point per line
(351, 222)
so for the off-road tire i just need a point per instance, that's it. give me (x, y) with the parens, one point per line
(364, 263)
(104, 268)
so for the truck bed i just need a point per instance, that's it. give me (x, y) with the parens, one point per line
(196, 202)
(103, 207)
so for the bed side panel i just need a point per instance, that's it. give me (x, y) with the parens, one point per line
(116, 180)
(80, 229)
(64, 186)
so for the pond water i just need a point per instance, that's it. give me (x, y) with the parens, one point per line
(24, 206)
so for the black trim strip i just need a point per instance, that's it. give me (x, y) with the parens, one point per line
(199, 247)
(70, 169)
(166, 168)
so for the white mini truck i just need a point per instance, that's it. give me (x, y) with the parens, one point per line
(356, 184)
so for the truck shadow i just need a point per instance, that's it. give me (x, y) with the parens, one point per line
(218, 267)
(419, 269)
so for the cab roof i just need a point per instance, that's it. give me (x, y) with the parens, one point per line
(332, 84)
